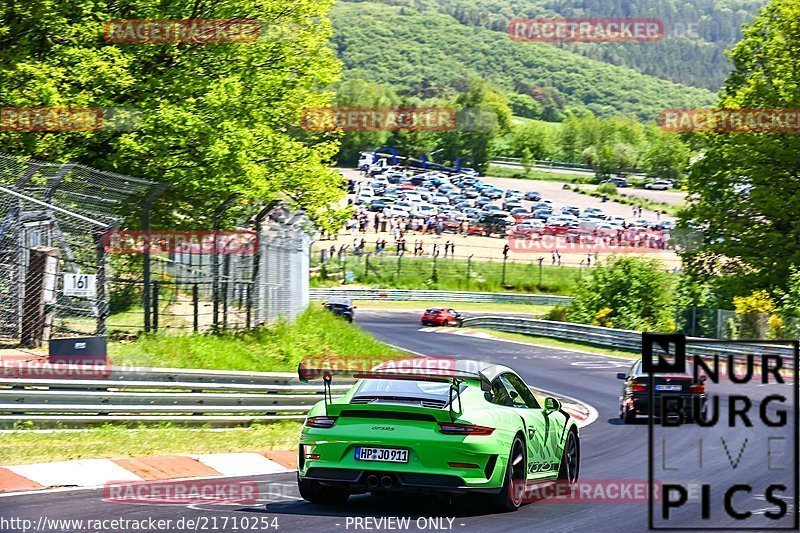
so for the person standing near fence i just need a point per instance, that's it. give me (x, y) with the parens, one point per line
(377, 222)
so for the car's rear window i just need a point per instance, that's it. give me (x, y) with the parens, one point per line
(404, 388)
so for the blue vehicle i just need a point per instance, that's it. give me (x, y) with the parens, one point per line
(340, 306)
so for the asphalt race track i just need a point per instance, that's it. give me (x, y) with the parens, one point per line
(610, 451)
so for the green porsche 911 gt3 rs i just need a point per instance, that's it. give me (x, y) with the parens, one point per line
(471, 426)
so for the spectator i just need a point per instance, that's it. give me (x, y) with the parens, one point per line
(377, 222)
(588, 259)
(558, 256)
(553, 255)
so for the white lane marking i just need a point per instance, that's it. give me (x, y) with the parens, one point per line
(591, 415)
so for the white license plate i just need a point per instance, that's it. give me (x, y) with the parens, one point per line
(668, 387)
(387, 455)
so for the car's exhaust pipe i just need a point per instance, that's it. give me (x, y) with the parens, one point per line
(386, 482)
(372, 481)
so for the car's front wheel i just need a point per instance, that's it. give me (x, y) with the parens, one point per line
(315, 492)
(570, 460)
(513, 491)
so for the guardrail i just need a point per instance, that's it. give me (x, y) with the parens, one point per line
(443, 296)
(615, 338)
(203, 397)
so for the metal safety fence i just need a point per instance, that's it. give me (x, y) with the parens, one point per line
(438, 296)
(614, 338)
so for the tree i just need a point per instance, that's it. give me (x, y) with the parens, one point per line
(666, 155)
(482, 114)
(630, 292)
(523, 105)
(359, 93)
(215, 118)
(740, 188)
(537, 137)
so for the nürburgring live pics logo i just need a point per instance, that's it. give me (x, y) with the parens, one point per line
(726, 459)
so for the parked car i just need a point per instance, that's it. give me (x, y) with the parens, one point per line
(377, 205)
(441, 316)
(543, 214)
(532, 196)
(340, 306)
(659, 185)
(511, 203)
(619, 182)
(527, 229)
(395, 211)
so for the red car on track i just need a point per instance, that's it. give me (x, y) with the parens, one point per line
(441, 316)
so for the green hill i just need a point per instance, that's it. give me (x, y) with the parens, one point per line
(692, 53)
(430, 54)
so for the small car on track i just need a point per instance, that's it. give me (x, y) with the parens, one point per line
(438, 426)
(634, 401)
(441, 316)
(340, 306)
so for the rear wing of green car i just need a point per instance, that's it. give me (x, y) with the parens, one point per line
(442, 375)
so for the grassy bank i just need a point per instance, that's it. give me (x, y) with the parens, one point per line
(20, 447)
(391, 272)
(632, 200)
(274, 348)
(495, 171)
(555, 343)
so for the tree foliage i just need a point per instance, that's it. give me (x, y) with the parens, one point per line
(745, 185)
(214, 118)
(628, 292)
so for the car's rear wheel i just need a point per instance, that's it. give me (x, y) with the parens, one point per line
(570, 460)
(513, 491)
(628, 416)
(315, 492)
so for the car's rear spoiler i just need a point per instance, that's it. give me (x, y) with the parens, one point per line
(425, 374)
(443, 375)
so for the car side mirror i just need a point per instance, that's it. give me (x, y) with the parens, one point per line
(551, 404)
(621, 375)
(514, 394)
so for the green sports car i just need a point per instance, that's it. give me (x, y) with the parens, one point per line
(454, 427)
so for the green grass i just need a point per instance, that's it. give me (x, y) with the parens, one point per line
(277, 347)
(555, 343)
(486, 307)
(20, 447)
(451, 274)
(495, 171)
(638, 201)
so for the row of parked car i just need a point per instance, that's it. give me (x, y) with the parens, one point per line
(486, 209)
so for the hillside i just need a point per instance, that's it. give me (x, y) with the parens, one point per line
(692, 53)
(430, 54)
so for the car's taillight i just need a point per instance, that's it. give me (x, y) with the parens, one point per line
(321, 422)
(463, 429)
(637, 386)
(697, 388)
